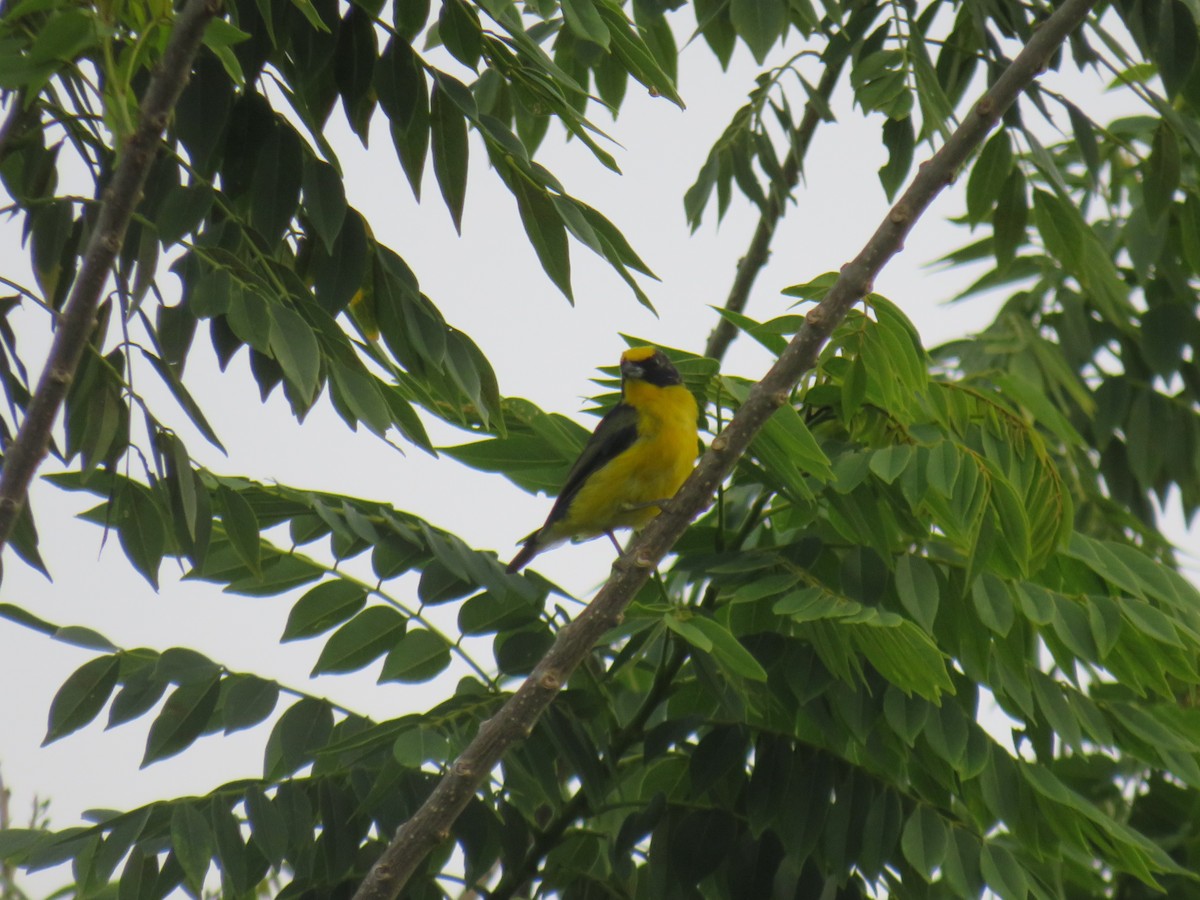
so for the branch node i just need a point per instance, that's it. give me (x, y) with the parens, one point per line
(462, 769)
(60, 375)
(719, 443)
(900, 215)
(984, 108)
(779, 398)
(551, 680)
(644, 562)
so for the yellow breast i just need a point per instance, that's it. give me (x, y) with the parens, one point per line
(622, 494)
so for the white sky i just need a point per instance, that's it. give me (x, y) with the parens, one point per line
(490, 285)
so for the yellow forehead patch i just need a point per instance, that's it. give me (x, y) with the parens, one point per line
(638, 354)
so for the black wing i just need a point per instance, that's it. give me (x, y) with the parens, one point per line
(613, 436)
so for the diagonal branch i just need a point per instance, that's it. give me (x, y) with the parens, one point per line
(23, 456)
(430, 825)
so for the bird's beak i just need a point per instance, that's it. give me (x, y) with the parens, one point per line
(631, 370)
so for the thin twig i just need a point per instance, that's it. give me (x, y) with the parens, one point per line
(430, 824)
(759, 251)
(24, 455)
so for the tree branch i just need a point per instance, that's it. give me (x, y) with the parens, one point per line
(430, 825)
(759, 251)
(24, 455)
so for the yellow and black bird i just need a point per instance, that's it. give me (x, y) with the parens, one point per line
(635, 461)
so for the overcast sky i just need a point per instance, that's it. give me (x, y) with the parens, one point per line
(489, 284)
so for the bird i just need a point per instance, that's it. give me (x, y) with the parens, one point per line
(637, 458)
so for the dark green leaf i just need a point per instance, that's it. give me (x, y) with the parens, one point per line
(300, 732)
(449, 131)
(917, 586)
(295, 348)
(192, 843)
(988, 176)
(759, 22)
(363, 639)
(419, 656)
(546, 232)
(900, 140)
(1010, 218)
(141, 529)
(459, 29)
(241, 527)
(82, 696)
(417, 746)
(585, 22)
(183, 718)
(728, 650)
(1162, 172)
(924, 841)
(322, 607)
(247, 701)
(275, 187)
(324, 199)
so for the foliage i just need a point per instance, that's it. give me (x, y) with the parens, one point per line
(794, 708)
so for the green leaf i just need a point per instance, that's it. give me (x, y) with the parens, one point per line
(728, 650)
(439, 584)
(627, 45)
(192, 843)
(988, 175)
(1163, 169)
(760, 24)
(403, 96)
(183, 718)
(546, 232)
(363, 639)
(585, 22)
(324, 199)
(993, 603)
(917, 585)
(184, 399)
(302, 731)
(1003, 873)
(247, 701)
(295, 348)
(903, 654)
(418, 656)
(1061, 229)
(141, 529)
(488, 613)
(322, 607)
(459, 29)
(900, 140)
(924, 841)
(64, 35)
(241, 527)
(82, 696)
(1010, 218)
(362, 394)
(417, 746)
(275, 187)
(310, 13)
(449, 131)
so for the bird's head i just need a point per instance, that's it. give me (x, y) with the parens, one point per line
(648, 364)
